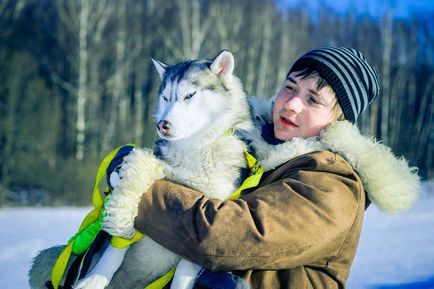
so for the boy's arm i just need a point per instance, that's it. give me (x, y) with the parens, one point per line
(302, 215)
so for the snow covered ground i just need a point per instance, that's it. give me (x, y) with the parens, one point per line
(395, 252)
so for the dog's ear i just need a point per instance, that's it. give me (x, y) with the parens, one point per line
(160, 66)
(223, 66)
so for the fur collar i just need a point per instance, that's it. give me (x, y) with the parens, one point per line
(390, 183)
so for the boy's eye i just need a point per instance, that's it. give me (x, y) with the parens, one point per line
(190, 95)
(290, 88)
(165, 98)
(314, 100)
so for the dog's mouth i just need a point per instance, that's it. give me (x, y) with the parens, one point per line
(167, 135)
(174, 137)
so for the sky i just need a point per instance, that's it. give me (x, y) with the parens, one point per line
(375, 8)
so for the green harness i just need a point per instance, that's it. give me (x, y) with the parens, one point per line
(92, 223)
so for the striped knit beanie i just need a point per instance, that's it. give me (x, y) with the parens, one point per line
(352, 78)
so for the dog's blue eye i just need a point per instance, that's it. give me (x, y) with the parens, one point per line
(190, 95)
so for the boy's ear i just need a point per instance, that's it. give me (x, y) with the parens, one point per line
(223, 66)
(160, 66)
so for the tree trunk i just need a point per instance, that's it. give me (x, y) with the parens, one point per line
(83, 59)
(264, 59)
(118, 102)
(386, 31)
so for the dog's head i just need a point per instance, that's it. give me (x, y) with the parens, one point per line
(195, 95)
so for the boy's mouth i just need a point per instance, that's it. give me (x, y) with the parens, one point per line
(287, 122)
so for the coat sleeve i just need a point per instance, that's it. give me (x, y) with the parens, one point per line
(301, 216)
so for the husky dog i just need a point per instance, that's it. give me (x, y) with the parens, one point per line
(199, 102)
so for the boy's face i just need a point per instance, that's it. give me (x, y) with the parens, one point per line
(300, 110)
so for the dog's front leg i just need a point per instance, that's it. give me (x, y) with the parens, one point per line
(138, 172)
(99, 277)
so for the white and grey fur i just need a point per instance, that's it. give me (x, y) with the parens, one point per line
(199, 102)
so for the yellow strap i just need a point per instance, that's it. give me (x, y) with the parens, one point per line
(230, 132)
(60, 265)
(97, 199)
(120, 243)
(162, 281)
(91, 217)
(251, 181)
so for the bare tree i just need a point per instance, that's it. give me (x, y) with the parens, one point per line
(118, 111)
(226, 22)
(145, 77)
(83, 63)
(193, 28)
(10, 10)
(253, 47)
(266, 58)
(387, 34)
(97, 83)
(81, 19)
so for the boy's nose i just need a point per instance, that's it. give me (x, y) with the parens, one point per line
(294, 104)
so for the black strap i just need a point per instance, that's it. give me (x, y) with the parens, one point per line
(96, 245)
(207, 279)
(72, 273)
(75, 270)
(70, 276)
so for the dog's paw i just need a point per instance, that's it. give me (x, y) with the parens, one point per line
(119, 217)
(92, 282)
(115, 228)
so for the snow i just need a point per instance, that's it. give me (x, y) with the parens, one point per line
(25, 231)
(395, 252)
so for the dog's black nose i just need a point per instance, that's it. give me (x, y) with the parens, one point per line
(166, 124)
(163, 126)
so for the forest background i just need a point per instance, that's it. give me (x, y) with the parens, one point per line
(76, 77)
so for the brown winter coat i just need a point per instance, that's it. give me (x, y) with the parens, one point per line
(299, 229)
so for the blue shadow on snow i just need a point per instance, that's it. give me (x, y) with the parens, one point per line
(423, 284)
